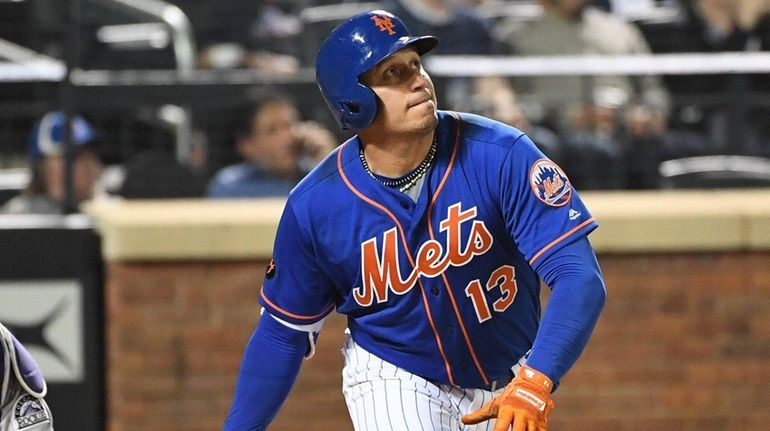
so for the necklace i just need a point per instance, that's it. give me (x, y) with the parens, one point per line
(410, 179)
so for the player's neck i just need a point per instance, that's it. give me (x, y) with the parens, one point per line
(394, 157)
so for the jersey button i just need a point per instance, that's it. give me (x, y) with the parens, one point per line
(405, 205)
(463, 365)
(450, 330)
(434, 290)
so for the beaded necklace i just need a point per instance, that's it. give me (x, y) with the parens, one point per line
(410, 179)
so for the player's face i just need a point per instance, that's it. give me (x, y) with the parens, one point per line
(407, 98)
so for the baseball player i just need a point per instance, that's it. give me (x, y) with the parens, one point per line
(22, 388)
(430, 230)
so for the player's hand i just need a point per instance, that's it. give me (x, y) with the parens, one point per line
(522, 406)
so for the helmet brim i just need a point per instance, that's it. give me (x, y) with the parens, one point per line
(422, 44)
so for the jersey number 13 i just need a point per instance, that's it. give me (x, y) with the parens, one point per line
(503, 277)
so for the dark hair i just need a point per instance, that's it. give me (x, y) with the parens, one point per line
(37, 183)
(254, 103)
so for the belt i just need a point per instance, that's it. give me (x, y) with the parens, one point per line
(498, 383)
(503, 381)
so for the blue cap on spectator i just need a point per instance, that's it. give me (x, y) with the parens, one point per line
(47, 137)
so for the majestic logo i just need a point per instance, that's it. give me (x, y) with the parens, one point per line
(381, 272)
(270, 271)
(573, 214)
(549, 183)
(384, 23)
(29, 411)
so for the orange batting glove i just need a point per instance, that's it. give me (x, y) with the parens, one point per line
(522, 406)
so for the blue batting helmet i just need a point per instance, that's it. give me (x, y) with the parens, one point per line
(352, 48)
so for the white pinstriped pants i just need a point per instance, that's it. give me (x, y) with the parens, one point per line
(383, 397)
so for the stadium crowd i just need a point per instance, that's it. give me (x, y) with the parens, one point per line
(607, 132)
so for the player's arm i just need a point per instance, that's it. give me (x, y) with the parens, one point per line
(269, 368)
(296, 296)
(577, 297)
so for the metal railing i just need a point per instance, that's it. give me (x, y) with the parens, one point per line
(185, 54)
(179, 25)
(573, 65)
(26, 65)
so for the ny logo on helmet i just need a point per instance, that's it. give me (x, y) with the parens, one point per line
(384, 23)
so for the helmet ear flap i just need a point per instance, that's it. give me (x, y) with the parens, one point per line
(349, 107)
(359, 110)
(348, 113)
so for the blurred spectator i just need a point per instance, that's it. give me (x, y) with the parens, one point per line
(46, 190)
(494, 97)
(603, 158)
(725, 117)
(277, 149)
(157, 174)
(612, 127)
(737, 25)
(157, 167)
(574, 27)
(261, 35)
(734, 25)
(458, 26)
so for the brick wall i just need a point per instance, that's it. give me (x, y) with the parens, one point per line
(683, 344)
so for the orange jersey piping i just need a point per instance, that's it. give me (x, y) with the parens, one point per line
(408, 254)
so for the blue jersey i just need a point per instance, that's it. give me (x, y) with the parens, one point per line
(444, 287)
(247, 180)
